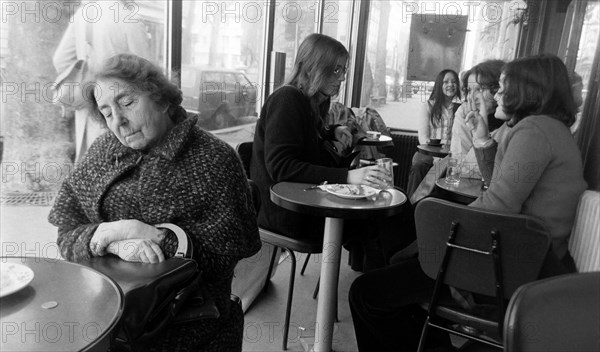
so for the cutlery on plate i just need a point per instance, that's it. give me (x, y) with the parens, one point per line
(316, 186)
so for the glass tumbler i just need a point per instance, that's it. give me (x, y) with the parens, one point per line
(453, 172)
(388, 165)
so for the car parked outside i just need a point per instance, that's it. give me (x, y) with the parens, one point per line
(221, 97)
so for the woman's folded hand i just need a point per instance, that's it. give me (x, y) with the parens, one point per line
(136, 250)
(109, 232)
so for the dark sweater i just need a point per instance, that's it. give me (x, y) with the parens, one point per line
(288, 147)
(193, 180)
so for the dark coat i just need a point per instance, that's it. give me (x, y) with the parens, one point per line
(289, 147)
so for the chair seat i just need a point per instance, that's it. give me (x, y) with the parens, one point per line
(304, 245)
(484, 318)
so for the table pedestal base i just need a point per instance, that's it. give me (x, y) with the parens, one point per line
(330, 272)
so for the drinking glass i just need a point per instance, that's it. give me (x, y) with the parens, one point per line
(453, 172)
(388, 165)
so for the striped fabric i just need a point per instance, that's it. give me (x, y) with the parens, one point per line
(584, 244)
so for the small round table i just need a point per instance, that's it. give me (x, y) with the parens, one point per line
(466, 191)
(382, 141)
(439, 151)
(66, 307)
(316, 202)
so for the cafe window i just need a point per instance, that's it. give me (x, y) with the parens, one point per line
(337, 17)
(222, 42)
(38, 136)
(580, 41)
(408, 43)
(294, 21)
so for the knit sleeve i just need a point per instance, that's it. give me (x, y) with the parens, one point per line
(225, 230)
(525, 156)
(75, 230)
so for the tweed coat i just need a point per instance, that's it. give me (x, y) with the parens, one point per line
(192, 179)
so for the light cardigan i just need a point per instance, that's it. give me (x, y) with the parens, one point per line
(537, 171)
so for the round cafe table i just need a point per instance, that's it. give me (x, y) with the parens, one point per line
(466, 191)
(439, 151)
(382, 141)
(316, 202)
(66, 307)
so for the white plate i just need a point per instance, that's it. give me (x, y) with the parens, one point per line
(13, 278)
(351, 191)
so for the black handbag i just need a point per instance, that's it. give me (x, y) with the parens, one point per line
(156, 295)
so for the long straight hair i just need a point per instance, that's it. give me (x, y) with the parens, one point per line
(437, 96)
(315, 62)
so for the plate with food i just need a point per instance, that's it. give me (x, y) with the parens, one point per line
(351, 191)
(14, 277)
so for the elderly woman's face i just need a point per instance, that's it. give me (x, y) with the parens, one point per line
(332, 87)
(132, 116)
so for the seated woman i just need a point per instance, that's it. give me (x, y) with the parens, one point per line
(155, 166)
(293, 143)
(535, 99)
(480, 83)
(436, 122)
(291, 139)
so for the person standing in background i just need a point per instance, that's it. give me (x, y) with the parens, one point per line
(115, 28)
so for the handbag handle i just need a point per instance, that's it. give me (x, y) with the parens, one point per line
(183, 242)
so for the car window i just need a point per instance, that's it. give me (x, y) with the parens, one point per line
(230, 82)
(242, 79)
(212, 81)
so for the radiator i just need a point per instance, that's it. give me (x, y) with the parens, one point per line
(584, 244)
(405, 146)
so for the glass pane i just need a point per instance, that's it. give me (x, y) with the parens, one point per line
(337, 18)
(39, 137)
(398, 78)
(223, 46)
(585, 55)
(294, 20)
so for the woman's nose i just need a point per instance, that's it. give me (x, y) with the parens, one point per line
(119, 118)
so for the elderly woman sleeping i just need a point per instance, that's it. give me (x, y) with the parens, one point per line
(154, 166)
